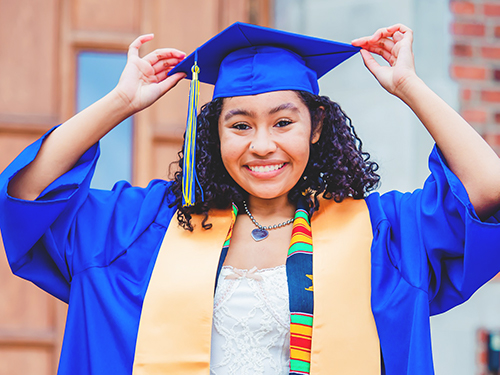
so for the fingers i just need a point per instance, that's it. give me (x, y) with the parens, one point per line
(169, 56)
(370, 62)
(399, 27)
(398, 36)
(387, 42)
(133, 49)
(384, 47)
(163, 54)
(165, 65)
(170, 81)
(162, 76)
(389, 32)
(395, 33)
(386, 55)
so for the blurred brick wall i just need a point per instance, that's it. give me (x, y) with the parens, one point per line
(476, 64)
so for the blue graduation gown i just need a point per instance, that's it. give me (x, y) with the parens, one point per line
(96, 250)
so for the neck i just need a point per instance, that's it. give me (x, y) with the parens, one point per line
(276, 209)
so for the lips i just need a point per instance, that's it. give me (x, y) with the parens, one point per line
(265, 168)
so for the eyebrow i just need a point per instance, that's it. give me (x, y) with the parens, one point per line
(284, 106)
(243, 112)
(236, 112)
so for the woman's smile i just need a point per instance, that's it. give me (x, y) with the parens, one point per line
(266, 170)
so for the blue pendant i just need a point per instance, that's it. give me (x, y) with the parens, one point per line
(259, 234)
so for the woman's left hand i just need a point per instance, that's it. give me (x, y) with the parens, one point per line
(394, 44)
(467, 154)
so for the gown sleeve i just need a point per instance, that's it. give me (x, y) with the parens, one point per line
(71, 227)
(436, 240)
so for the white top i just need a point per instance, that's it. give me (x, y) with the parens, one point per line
(251, 323)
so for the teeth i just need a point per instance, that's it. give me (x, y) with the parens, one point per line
(267, 168)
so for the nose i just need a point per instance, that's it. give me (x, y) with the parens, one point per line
(263, 143)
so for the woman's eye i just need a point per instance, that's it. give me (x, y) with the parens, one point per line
(283, 123)
(240, 126)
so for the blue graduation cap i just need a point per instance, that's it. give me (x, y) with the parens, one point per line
(242, 54)
(246, 59)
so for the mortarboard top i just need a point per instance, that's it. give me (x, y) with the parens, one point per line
(317, 57)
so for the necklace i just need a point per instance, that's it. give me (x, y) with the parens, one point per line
(261, 232)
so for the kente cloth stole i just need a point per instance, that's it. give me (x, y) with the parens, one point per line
(299, 272)
(299, 269)
(176, 321)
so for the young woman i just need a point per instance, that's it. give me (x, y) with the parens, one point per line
(281, 172)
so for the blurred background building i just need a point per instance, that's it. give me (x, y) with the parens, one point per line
(58, 56)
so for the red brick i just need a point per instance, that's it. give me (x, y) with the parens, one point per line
(466, 94)
(462, 7)
(490, 52)
(482, 356)
(497, 118)
(482, 335)
(468, 72)
(492, 9)
(462, 50)
(477, 116)
(497, 31)
(492, 139)
(468, 29)
(492, 96)
(496, 75)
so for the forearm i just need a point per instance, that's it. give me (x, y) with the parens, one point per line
(467, 154)
(66, 144)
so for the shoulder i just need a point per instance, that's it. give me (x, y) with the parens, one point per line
(111, 222)
(340, 213)
(127, 200)
(375, 209)
(348, 206)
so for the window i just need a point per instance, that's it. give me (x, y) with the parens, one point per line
(98, 73)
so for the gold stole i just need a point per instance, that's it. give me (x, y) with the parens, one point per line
(176, 321)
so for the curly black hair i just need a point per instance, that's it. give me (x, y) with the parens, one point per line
(337, 166)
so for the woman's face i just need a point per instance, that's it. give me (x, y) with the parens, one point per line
(265, 141)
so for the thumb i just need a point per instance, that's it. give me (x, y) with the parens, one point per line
(372, 65)
(170, 82)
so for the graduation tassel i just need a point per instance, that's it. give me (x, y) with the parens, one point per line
(189, 166)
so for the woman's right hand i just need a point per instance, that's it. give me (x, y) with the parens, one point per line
(145, 80)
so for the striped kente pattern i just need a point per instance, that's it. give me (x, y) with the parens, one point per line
(301, 241)
(234, 213)
(300, 343)
(301, 322)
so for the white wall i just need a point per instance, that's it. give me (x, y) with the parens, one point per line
(391, 132)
